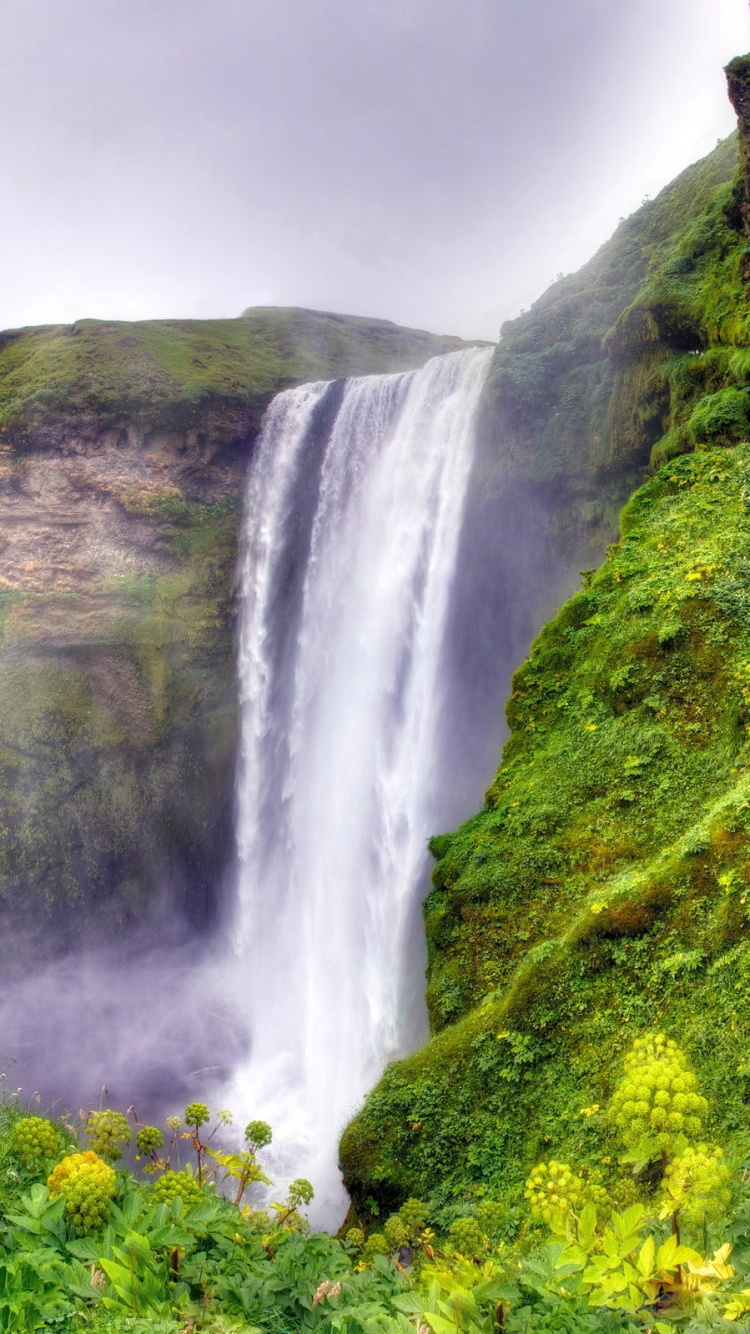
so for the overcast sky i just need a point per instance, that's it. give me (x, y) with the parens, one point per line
(435, 162)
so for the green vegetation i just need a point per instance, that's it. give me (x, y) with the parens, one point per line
(603, 886)
(175, 373)
(115, 748)
(85, 1247)
(601, 893)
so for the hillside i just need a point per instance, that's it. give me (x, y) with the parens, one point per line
(602, 887)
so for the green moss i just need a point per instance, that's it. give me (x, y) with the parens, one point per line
(550, 405)
(170, 373)
(117, 752)
(680, 350)
(603, 886)
(720, 419)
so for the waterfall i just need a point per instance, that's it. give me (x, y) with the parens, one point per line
(355, 502)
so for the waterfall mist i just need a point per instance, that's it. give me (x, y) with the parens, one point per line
(355, 505)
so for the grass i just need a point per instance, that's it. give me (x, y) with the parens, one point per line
(170, 373)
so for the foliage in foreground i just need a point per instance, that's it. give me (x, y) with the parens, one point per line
(649, 1240)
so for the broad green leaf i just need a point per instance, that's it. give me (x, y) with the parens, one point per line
(439, 1324)
(587, 1226)
(646, 1257)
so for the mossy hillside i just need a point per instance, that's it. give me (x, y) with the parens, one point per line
(681, 350)
(548, 395)
(603, 887)
(117, 741)
(176, 373)
(567, 426)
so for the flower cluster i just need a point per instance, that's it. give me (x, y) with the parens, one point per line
(696, 1184)
(414, 1215)
(376, 1244)
(197, 1115)
(257, 1135)
(396, 1232)
(492, 1218)
(34, 1141)
(658, 1094)
(553, 1191)
(467, 1237)
(109, 1132)
(177, 1185)
(148, 1140)
(87, 1184)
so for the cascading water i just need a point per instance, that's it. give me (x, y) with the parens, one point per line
(355, 505)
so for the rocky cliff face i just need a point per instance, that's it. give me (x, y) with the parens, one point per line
(122, 467)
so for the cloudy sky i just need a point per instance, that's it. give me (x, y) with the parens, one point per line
(435, 162)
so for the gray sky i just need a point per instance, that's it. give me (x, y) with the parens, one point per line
(435, 162)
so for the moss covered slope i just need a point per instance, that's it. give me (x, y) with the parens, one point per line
(602, 887)
(172, 373)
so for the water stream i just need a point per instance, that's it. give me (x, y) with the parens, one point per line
(355, 504)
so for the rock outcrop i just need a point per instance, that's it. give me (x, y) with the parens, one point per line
(123, 456)
(738, 87)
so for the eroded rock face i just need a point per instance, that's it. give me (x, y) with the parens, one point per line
(738, 87)
(83, 505)
(117, 706)
(123, 456)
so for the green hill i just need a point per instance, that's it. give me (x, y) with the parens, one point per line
(602, 888)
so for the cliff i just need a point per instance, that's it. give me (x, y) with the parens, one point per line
(123, 455)
(574, 413)
(601, 884)
(602, 887)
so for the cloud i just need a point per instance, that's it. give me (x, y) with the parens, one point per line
(429, 161)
